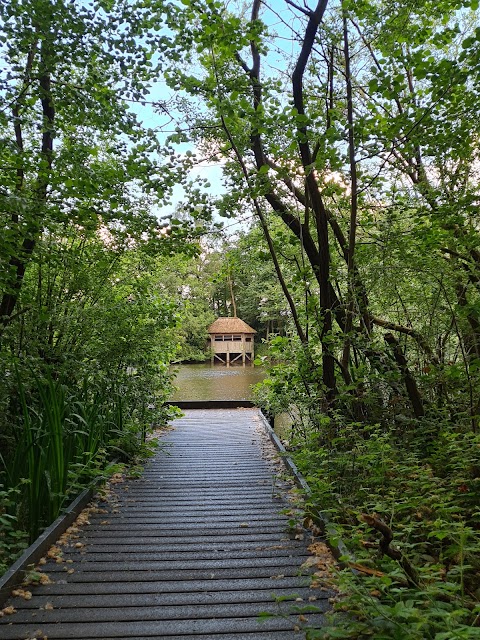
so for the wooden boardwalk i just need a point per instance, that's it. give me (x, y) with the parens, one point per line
(196, 548)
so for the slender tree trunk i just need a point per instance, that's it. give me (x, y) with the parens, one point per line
(19, 261)
(353, 203)
(316, 201)
(232, 295)
(409, 381)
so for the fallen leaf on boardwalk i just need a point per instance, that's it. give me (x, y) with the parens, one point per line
(38, 635)
(302, 618)
(21, 593)
(244, 524)
(42, 561)
(117, 478)
(79, 545)
(279, 577)
(319, 549)
(322, 560)
(48, 606)
(104, 522)
(34, 577)
(70, 571)
(322, 574)
(8, 611)
(72, 529)
(83, 518)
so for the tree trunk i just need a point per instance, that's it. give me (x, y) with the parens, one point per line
(19, 261)
(409, 381)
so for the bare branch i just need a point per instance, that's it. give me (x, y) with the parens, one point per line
(306, 12)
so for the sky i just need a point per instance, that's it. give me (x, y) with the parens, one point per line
(280, 18)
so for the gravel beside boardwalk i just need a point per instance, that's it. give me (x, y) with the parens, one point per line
(195, 548)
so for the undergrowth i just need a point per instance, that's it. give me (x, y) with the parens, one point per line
(426, 493)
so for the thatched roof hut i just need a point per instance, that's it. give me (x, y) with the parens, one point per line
(230, 325)
(231, 339)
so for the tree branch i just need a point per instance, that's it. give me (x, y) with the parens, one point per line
(385, 549)
(306, 12)
(399, 328)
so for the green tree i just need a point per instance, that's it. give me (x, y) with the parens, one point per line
(73, 149)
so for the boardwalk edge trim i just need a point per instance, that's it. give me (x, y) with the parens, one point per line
(15, 575)
(321, 519)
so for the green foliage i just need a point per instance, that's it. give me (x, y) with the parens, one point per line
(95, 342)
(421, 477)
(13, 539)
(187, 281)
(66, 438)
(86, 336)
(432, 510)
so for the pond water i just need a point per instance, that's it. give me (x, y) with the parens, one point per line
(207, 382)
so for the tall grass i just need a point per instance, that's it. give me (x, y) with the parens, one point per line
(60, 446)
(62, 435)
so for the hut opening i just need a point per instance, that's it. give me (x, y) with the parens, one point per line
(231, 341)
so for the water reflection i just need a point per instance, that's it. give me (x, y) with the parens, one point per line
(204, 382)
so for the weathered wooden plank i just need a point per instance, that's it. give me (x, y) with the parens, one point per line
(183, 574)
(119, 521)
(156, 629)
(178, 586)
(184, 556)
(265, 635)
(195, 531)
(86, 601)
(144, 613)
(195, 538)
(197, 546)
(254, 562)
(133, 512)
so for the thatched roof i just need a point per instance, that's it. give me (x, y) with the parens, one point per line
(230, 325)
